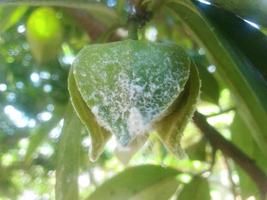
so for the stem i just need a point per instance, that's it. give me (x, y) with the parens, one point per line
(230, 150)
(138, 16)
(221, 112)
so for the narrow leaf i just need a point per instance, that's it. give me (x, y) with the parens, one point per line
(255, 11)
(147, 182)
(68, 158)
(242, 138)
(39, 136)
(10, 15)
(98, 10)
(241, 36)
(210, 90)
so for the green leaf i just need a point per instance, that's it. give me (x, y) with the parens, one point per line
(255, 11)
(197, 188)
(68, 158)
(64, 3)
(197, 151)
(242, 138)
(232, 68)
(171, 127)
(242, 37)
(210, 90)
(100, 11)
(147, 182)
(10, 15)
(99, 136)
(40, 135)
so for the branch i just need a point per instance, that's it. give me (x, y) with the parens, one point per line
(230, 150)
(92, 27)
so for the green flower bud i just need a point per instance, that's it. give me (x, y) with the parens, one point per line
(130, 88)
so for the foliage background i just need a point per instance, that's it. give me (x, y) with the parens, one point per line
(231, 58)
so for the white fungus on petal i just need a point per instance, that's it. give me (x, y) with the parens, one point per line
(131, 84)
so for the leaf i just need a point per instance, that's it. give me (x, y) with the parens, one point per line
(68, 158)
(99, 136)
(147, 182)
(255, 11)
(64, 3)
(170, 129)
(243, 37)
(245, 84)
(210, 90)
(40, 135)
(10, 15)
(242, 138)
(100, 11)
(197, 151)
(197, 188)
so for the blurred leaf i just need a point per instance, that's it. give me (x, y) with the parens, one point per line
(210, 90)
(10, 15)
(255, 10)
(147, 182)
(197, 151)
(103, 14)
(64, 3)
(242, 138)
(68, 158)
(99, 10)
(198, 188)
(41, 134)
(44, 34)
(246, 85)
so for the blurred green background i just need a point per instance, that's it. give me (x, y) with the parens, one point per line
(37, 47)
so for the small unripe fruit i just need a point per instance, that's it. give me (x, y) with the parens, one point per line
(44, 34)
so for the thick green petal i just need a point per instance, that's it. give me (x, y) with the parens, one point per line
(99, 136)
(170, 129)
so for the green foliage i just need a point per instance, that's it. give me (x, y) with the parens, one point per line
(254, 11)
(37, 47)
(10, 16)
(197, 188)
(68, 158)
(230, 64)
(142, 182)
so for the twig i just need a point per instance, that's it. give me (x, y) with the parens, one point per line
(230, 150)
(221, 112)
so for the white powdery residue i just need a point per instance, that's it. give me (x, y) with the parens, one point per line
(95, 110)
(135, 123)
